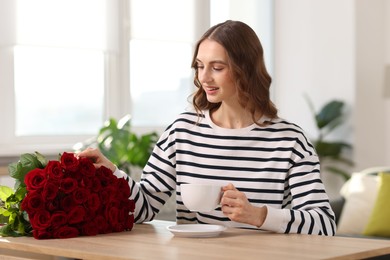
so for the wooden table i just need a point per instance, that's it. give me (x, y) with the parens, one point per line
(153, 241)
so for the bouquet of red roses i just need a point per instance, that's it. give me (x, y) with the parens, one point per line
(66, 198)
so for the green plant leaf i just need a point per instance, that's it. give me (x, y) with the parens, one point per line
(125, 123)
(329, 112)
(3, 218)
(26, 163)
(21, 193)
(329, 149)
(41, 159)
(122, 146)
(5, 192)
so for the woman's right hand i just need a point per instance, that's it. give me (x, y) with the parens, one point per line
(98, 159)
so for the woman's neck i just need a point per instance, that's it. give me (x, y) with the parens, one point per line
(233, 118)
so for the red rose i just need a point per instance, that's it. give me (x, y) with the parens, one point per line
(71, 198)
(92, 183)
(108, 194)
(50, 190)
(90, 215)
(41, 220)
(66, 232)
(68, 185)
(54, 170)
(41, 234)
(112, 215)
(105, 175)
(129, 223)
(69, 162)
(93, 202)
(90, 229)
(24, 205)
(53, 205)
(118, 227)
(86, 167)
(33, 202)
(67, 203)
(101, 224)
(76, 215)
(80, 195)
(123, 189)
(96, 185)
(35, 179)
(58, 218)
(128, 205)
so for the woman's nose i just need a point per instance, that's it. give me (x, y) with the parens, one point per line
(204, 76)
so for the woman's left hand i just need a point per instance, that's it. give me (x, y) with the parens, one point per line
(236, 207)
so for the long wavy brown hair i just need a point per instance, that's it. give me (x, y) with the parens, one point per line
(246, 62)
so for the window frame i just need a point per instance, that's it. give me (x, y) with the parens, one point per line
(117, 101)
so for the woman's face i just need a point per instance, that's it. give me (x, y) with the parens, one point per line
(214, 73)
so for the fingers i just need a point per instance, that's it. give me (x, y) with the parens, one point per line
(230, 186)
(89, 153)
(98, 159)
(233, 198)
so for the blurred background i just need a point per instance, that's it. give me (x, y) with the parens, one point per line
(67, 66)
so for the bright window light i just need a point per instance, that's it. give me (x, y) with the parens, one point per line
(165, 87)
(58, 91)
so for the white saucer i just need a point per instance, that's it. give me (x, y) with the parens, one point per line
(196, 230)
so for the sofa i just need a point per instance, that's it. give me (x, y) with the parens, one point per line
(363, 210)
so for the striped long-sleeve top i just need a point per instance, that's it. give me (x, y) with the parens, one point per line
(274, 165)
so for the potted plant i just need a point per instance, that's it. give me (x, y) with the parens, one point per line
(121, 145)
(327, 119)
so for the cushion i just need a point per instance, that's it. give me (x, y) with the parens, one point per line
(360, 193)
(379, 221)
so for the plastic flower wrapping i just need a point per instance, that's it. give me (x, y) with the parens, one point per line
(64, 198)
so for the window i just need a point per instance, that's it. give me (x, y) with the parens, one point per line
(68, 65)
(58, 91)
(54, 92)
(160, 60)
(161, 79)
(159, 93)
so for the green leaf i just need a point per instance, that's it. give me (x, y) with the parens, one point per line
(5, 192)
(3, 218)
(41, 159)
(329, 149)
(125, 123)
(26, 163)
(122, 146)
(4, 212)
(12, 168)
(329, 112)
(8, 230)
(21, 193)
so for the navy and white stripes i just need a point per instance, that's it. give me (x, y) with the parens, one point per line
(274, 165)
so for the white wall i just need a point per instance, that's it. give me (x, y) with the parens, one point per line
(372, 107)
(314, 55)
(332, 49)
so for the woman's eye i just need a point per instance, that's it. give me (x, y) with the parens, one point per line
(217, 68)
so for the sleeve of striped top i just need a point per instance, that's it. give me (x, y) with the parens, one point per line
(157, 184)
(309, 211)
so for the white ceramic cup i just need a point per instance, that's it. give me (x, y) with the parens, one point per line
(201, 197)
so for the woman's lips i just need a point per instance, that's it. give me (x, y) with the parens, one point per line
(211, 90)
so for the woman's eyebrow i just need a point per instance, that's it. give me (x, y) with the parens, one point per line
(213, 61)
